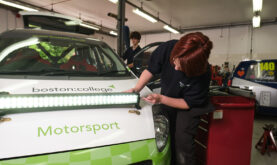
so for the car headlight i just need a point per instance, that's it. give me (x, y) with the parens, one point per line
(161, 131)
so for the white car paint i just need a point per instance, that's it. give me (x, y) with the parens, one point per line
(23, 135)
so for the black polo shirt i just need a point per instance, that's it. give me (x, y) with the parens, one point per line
(130, 53)
(176, 84)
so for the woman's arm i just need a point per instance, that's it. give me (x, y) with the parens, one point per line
(169, 101)
(144, 78)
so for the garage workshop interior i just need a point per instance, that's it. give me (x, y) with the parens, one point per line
(138, 82)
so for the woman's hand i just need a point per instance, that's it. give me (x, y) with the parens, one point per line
(169, 101)
(132, 90)
(153, 98)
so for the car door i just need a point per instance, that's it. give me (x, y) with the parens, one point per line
(141, 62)
(262, 75)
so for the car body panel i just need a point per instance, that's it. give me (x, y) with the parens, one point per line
(265, 88)
(120, 154)
(46, 132)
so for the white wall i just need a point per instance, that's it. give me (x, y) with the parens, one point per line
(265, 42)
(232, 44)
(9, 21)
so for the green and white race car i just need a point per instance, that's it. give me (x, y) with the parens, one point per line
(61, 103)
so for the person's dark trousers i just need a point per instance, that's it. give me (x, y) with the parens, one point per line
(186, 130)
(187, 122)
(183, 129)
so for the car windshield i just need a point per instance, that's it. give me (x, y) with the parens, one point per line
(56, 55)
(262, 71)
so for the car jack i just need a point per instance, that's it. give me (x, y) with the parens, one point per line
(267, 142)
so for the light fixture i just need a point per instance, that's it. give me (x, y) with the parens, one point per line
(17, 6)
(144, 15)
(18, 45)
(19, 103)
(256, 21)
(113, 33)
(93, 39)
(71, 23)
(172, 30)
(113, 1)
(89, 26)
(257, 5)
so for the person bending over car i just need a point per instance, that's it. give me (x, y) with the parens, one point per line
(185, 78)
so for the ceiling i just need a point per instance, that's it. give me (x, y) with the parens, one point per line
(181, 13)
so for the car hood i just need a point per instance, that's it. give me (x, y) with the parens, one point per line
(28, 134)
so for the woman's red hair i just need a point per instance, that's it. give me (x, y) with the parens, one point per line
(193, 51)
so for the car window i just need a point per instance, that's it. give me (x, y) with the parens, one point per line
(263, 71)
(142, 57)
(105, 62)
(38, 55)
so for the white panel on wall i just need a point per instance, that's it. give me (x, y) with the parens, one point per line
(9, 20)
(4, 20)
(19, 22)
(265, 42)
(220, 39)
(239, 44)
(150, 38)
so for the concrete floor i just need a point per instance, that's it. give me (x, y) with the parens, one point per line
(256, 157)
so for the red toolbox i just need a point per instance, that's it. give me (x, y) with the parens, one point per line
(225, 136)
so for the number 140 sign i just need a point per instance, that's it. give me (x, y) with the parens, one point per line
(267, 66)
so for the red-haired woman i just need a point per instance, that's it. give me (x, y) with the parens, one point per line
(185, 78)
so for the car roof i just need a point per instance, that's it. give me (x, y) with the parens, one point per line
(31, 32)
(251, 61)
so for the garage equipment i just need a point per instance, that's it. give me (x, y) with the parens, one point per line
(267, 142)
(225, 136)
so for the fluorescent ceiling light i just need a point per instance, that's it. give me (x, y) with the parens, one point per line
(71, 23)
(144, 15)
(18, 45)
(89, 26)
(257, 5)
(171, 29)
(113, 1)
(17, 6)
(93, 39)
(113, 33)
(34, 26)
(256, 21)
(19, 103)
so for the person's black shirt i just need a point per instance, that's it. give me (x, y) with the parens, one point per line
(130, 53)
(176, 84)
